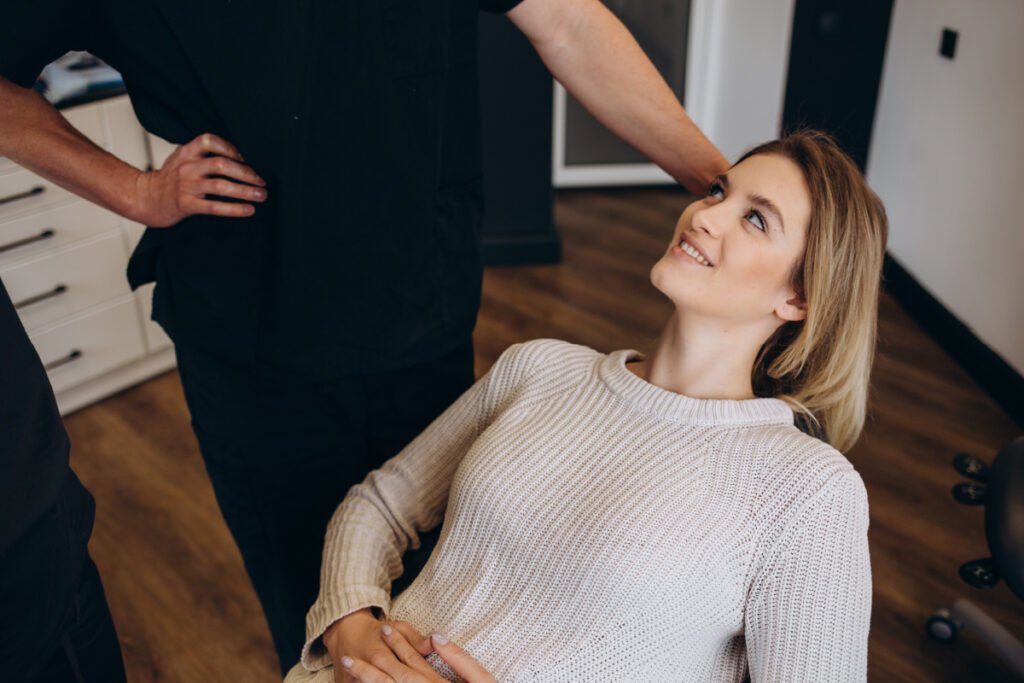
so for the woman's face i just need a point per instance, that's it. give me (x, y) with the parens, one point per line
(733, 252)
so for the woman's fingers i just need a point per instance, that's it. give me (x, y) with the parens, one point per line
(364, 672)
(461, 663)
(410, 666)
(406, 653)
(416, 639)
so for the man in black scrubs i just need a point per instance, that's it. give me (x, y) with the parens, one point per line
(54, 622)
(322, 310)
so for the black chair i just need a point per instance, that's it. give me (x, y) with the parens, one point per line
(1000, 488)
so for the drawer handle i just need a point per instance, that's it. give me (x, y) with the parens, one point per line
(56, 291)
(74, 355)
(38, 189)
(44, 235)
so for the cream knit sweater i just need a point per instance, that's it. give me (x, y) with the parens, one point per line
(599, 528)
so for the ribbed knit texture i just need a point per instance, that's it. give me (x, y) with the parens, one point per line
(599, 528)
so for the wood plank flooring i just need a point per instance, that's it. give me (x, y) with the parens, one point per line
(185, 609)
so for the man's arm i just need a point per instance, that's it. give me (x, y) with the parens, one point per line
(34, 134)
(595, 57)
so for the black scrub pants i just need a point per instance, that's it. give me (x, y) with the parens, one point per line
(282, 454)
(56, 626)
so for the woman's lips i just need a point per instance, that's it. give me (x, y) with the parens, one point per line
(692, 251)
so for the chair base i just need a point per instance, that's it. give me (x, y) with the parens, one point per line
(946, 624)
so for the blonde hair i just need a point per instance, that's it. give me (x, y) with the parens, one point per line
(821, 366)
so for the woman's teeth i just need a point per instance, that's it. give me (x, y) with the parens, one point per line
(686, 247)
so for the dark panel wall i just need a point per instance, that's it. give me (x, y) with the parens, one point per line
(835, 67)
(516, 107)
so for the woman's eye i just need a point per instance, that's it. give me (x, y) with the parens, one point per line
(716, 190)
(757, 219)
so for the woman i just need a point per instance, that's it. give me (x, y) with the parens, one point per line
(622, 517)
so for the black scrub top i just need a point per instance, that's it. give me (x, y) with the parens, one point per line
(362, 117)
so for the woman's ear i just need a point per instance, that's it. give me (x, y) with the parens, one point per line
(793, 309)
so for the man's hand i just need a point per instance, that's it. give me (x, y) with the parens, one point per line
(35, 135)
(208, 166)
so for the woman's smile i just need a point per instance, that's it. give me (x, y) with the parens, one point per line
(689, 250)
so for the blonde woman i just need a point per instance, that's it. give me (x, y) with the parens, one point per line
(682, 516)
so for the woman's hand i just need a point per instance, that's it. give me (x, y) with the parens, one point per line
(207, 166)
(356, 635)
(410, 648)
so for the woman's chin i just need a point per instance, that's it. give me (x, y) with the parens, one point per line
(674, 282)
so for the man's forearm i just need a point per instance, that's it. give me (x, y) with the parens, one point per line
(596, 58)
(35, 135)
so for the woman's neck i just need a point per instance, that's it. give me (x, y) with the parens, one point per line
(701, 361)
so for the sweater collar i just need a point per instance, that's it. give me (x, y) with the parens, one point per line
(685, 409)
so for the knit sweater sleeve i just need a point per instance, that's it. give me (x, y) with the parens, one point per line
(809, 607)
(382, 517)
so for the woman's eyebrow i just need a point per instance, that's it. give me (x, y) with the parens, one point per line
(769, 206)
(758, 200)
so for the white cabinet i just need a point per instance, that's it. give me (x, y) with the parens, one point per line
(63, 262)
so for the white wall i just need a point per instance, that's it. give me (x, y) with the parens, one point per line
(737, 68)
(947, 158)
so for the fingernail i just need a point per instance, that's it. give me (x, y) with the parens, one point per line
(347, 662)
(258, 194)
(439, 639)
(386, 630)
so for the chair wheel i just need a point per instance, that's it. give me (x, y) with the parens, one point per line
(980, 573)
(941, 627)
(970, 493)
(971, 467)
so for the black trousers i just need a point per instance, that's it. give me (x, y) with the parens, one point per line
(282, 454)
(56, 626)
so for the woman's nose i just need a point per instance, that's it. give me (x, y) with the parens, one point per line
(708, 221)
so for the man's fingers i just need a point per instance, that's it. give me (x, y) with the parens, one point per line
(364, 672)
(223, 166)
(461, 663)
(208, 143)
(226, 188)
(195, 205)
(416, 639)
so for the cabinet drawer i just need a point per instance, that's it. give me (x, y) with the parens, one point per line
(127, 139)
(159, 150)
(67, 282)
(133, 233)
(43, 233)
(22, 191)
(81, 349)
(156, 338)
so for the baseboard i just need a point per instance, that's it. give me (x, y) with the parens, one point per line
(519, 250)
(994, 375)
(118, 379)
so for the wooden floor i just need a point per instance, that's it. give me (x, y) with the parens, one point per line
(185, 609)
